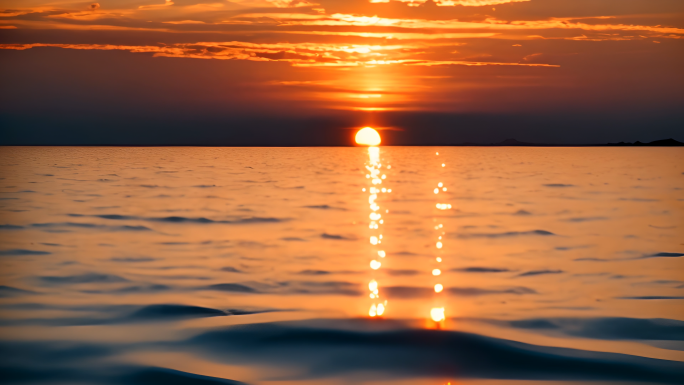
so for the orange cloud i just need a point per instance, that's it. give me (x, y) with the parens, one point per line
(214, 17)
(167, 3)
(453, 3)
(300, 55)
(12, 13)
(185, 22)
(490, 23)
(88, 15)
(475, 3)
(276, 3)
(395, 60)
(401, 35)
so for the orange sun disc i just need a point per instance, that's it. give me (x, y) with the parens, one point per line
(367, 137)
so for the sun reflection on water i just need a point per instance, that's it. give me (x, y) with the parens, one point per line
(376, 178)
(437, 313)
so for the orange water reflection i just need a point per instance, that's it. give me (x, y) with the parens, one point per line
(283, 235)
(438, 313)
(375, 187)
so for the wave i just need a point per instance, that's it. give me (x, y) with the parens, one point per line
(10, 227)
(318, 350)
(82, 278)
(91, 226)
(585, 219)
(324, 207)
(336, 237)
(476, 269)
(408, 292)
(133, 259)
(606, 328)
(502, 235)
(125, 314)
(178, 219)
(107, 375)
(290, 288)
(8, 291)
(661, 255)
(652, 297)
(22, 252)
(540, 272)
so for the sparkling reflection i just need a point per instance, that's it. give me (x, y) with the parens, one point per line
(376, 178)
(437, 313)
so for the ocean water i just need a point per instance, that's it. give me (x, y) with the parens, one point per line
(265, 266)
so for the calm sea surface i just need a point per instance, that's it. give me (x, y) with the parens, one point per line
(265, 265)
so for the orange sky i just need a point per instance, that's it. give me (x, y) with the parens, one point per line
(380, 62)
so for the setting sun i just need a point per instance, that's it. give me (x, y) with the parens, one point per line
(285, 161)
(367, 137)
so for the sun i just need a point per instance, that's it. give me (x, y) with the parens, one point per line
(367, 137)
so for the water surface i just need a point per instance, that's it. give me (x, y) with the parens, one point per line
(155, 265)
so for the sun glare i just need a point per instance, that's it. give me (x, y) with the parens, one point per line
(437, 314)
(367, 137)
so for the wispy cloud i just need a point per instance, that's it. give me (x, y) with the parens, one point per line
(489, 23)
(498, 49)
(302, 54)
(453, 3)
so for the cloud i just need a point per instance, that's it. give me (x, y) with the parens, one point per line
(474, 3)
(349, 38)
(340, 19)
(256, 21)
(453, 3)
(299, 55)
(275, 3)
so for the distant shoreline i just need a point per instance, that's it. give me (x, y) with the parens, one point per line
(515, 143)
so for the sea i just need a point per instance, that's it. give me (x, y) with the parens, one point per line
(378, 265)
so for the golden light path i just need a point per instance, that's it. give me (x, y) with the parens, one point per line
(369, 137)
(437, 313)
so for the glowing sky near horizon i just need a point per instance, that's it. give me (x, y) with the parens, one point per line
(366, 57)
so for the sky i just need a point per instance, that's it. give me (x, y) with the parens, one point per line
(312, 72)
